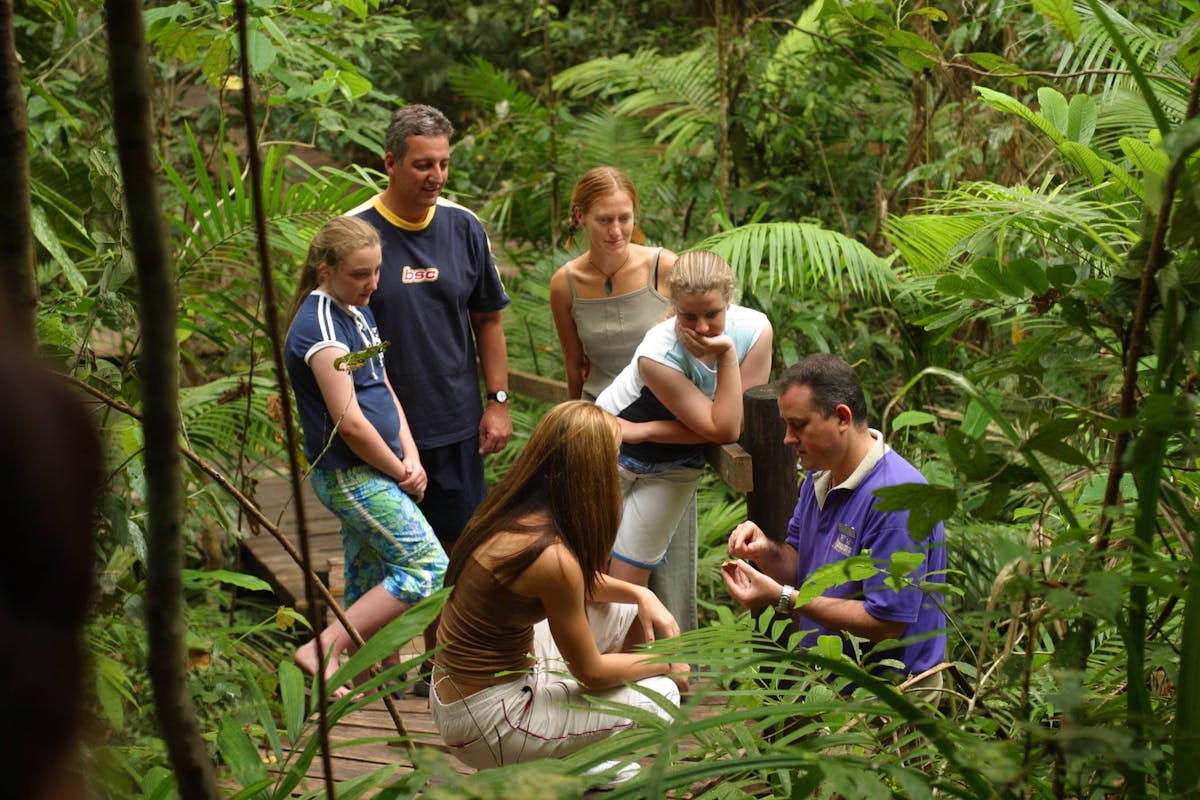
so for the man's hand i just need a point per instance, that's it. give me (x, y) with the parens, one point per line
(749, 542)
(495, 428)
(749, 587)
(416, 481)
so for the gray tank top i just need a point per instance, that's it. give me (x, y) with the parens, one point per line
(611, 328)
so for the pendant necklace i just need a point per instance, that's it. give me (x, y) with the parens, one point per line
(608, 286)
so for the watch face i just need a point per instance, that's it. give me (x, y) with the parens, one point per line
(500, 396)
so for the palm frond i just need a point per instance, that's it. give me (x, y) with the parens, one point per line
(482, 83)
(676, 95)
(801, 254)
(1094, 50)
(980, 219)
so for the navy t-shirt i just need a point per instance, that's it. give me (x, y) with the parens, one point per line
(324, 322)
(435, 273)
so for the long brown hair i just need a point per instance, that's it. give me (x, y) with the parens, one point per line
(568, 472)
(600, 182)
(337, 240)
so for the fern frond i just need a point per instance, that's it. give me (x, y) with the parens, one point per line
(801, 254)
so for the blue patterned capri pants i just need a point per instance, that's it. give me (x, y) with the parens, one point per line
(385, 538)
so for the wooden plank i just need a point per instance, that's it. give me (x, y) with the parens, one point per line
(733, 465)
(548, 390)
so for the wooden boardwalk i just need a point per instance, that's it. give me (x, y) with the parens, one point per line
(265, 557)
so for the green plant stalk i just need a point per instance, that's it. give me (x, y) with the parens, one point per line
(1137, 697)
(130, 83)
(1187, 698)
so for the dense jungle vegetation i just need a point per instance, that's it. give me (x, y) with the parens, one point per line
(991, 207)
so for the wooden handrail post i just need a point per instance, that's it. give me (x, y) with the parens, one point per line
(776, 480)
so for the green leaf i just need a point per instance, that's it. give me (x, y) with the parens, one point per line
(291, 693)
(240, 754)
(194, 578)
(907, 419)
(969, 455)
(926, 504)
(1081, 118)
(988, 270)
(829, 646)
(1083, 157)
(1181, 143)
(263, 709)
(1054, 108)
(1056, 448)
(47, 238)
(1062, 15)
(1030, 273)
(261, 51)
(1010, 105)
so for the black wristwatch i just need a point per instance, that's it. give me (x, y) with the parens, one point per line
(500, 396)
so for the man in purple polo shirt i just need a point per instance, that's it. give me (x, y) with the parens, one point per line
(822, 403)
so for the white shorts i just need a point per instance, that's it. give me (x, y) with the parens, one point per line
(544, 714)
(653, 505)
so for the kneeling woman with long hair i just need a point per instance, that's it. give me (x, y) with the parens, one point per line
(533, 623)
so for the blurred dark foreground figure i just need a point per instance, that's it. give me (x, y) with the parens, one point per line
(50, 474)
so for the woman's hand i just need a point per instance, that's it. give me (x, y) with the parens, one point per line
(702, 346)
(679, 674)
(654, 617)
(416, 481)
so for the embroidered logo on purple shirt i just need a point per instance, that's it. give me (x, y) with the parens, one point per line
(844, 543)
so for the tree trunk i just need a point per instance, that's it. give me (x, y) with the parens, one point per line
(158, 365)
(18, 281)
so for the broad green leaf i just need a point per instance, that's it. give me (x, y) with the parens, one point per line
(291, 693)
(988, 270)
(240, 754)
(901, 566)
(261, 51)
(906, 419)
(1056, 448)
(1149, 159)
(1085, 159)
(1010, 105)
(194, 578)
(926, 504)
(1081, 119)
(1054, 108)
(969, 455)
(47, 238)
(1062, 15)
(1030, 273)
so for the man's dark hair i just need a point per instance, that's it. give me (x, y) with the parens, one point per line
(832, 382)
(414, 120)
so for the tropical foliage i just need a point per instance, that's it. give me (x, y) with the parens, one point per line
(991, 208)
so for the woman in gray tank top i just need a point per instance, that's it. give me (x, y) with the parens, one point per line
(603, 301)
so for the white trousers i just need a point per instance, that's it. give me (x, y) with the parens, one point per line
(529, 718)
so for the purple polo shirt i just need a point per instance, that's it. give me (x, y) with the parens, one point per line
(846, 524)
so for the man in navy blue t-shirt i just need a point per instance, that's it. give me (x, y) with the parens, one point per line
(822, 403)
(438, 306)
